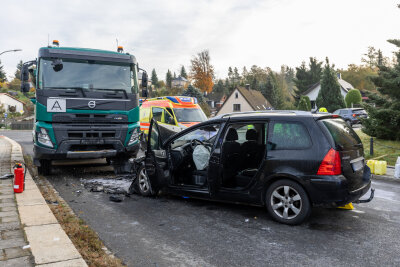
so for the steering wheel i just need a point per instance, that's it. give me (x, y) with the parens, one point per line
(195, 142)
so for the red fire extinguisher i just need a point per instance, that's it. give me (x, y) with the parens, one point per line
(19, 178)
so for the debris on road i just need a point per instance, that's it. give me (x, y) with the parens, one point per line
(7, 176)
(116, 198)
(119, 185)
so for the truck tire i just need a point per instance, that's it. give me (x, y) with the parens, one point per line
(45, 167)
(287, 202)
(121, 165)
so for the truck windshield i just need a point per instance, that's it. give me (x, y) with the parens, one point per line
(90, 75)
(189, 115)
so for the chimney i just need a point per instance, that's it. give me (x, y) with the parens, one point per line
(339, 75)
(247, 86)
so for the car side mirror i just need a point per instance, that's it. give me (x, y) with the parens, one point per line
(25, 87)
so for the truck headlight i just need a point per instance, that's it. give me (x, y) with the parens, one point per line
(43, 138)
(134, 137)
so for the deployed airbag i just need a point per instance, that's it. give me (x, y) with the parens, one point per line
(201, 156)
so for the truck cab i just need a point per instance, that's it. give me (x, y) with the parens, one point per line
(86, 105)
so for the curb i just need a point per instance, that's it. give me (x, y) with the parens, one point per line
(49, 244)
(385, 178)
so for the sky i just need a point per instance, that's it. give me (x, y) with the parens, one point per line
(167, 34)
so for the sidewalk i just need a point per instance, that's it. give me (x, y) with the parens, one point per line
(49, 244)
(12, 238)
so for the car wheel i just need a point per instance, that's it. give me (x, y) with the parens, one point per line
(287, 202)
(45, 167)
(143, 184)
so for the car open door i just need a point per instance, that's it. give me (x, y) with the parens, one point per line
(156, 161)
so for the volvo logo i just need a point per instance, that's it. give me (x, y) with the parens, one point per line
(92, 104)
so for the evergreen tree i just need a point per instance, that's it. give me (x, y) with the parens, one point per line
(236, 76)
(194, 92)
(230, 74)
(3, 77)
(330, 96)
(272, 93)
(384, 122)
(168, 79)
(174, 75)
(305, 77)
(183, 72)
(154, 78)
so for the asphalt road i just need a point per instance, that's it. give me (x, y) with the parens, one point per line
(172, 231)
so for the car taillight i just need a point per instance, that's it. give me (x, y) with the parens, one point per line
(354, 115)
(331, 164)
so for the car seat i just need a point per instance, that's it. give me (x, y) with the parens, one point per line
(230, 157)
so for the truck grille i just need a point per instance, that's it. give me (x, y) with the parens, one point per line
(90, 134)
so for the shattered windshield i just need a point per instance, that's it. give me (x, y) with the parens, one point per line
(86, 74)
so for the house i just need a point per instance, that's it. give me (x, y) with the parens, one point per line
(313, 91)
(244, 99)
(179, 82)
(9, 103)
(216, 100)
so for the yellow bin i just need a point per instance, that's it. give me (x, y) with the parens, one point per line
(380, 167)
(371, 165)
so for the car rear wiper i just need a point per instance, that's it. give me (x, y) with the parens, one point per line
(115, 90)
(69, 87)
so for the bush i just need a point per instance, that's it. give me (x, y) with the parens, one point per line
(353, 97)
(303, 104)
(382, 123)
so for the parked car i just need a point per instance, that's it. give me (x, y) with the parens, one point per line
(351, 115)
(283, 160)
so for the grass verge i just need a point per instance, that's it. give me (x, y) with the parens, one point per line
(82, 236)
(389, 150)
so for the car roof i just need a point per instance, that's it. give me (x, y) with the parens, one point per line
(268, 114)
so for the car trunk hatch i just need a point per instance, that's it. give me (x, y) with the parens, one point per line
(351, 150)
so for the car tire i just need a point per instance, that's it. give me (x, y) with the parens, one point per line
(45, 167)
(142, 183)
(287, 202)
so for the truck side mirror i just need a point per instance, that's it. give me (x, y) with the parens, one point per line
(145, 93)
(25, 87)
(24, 73)
(144, 79)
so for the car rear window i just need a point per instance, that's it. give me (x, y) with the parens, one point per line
(359, 111)
(288, 135)
(343, 135)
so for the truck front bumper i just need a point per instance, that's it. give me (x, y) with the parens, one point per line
(64, 151)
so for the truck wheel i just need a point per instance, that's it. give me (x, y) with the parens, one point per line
(287, 202)
(45, 167)
(142, 183)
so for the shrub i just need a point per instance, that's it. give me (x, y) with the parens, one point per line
(353, 97)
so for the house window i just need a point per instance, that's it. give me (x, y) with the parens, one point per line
(236, 95)
(236, 107)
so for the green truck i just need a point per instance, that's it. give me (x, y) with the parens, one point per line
(86, 105)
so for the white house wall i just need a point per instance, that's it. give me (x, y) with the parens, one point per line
(7, 101)
(228, 105)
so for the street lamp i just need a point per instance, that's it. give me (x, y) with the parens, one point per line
(13, 50)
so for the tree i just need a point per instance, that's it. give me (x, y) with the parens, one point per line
(303, 105)
(353, 97)
(3, 77)
(183, 72)
(370, 57)
(305, 77)
(154, 78)
(330, 96)
(19, 68)
(202, 71)
(360, 76)
(174, 75)
(384, 122)
(168, 79)
(272, 93)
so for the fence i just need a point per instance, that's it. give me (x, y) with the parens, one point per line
(22, 125)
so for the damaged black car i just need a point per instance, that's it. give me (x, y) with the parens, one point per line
(286, 161)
